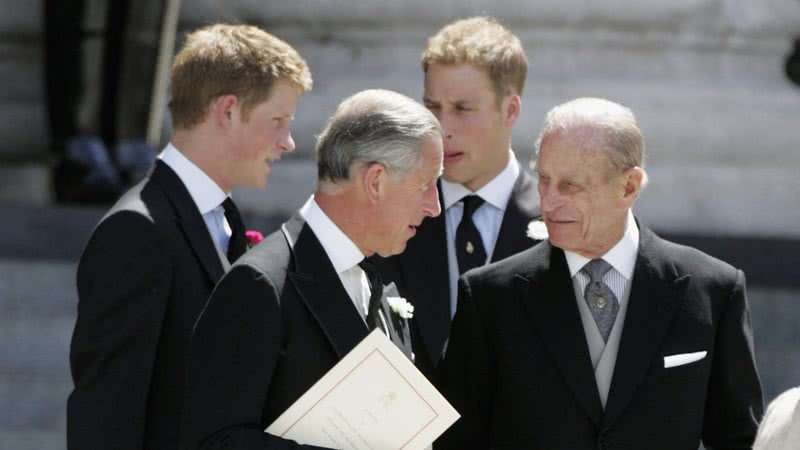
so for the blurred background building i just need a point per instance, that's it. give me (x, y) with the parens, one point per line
(713, 82)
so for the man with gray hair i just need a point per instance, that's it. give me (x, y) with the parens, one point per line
(293, 306)
(605, 336)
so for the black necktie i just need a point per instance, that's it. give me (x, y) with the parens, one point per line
(375, 294)
(237, 244)
(469, 245)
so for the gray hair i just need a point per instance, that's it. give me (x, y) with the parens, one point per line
(374, 126)
(622, 140)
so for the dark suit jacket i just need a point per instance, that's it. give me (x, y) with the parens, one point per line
(275, 324)
(143, 279)
(518, 367)
(422, 275)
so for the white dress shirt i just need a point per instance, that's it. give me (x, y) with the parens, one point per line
(207, 196)
(622, 258)
(342, 252)
(487, 218)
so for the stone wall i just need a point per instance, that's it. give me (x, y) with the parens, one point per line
(704, 76)
(22, 116)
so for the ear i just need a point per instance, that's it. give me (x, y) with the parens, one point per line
(373, 181)
(512, 106)
(633, 180)
(225, 109)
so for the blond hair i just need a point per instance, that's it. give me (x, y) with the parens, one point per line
(221, 59)
(484, 43)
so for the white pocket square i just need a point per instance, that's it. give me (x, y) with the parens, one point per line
(683, 358)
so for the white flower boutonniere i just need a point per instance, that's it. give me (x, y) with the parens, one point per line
(401, 307)
(537, 230)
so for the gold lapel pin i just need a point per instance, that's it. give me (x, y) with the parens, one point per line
(470, 248)
(601, 302)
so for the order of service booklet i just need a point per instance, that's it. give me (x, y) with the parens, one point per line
(373, 399)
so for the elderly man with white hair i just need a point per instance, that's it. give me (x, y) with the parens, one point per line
(606, 336)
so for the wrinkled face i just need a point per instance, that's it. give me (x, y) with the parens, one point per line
(262, 135)
(583, 200)
(406, 202)
(476, 143)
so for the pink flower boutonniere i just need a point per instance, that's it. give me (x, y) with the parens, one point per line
(253, 238)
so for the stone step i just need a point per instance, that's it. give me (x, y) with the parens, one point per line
(26, 182)
(775, 314)
(33, 403)
(32, 439)
(35, 346)
(33, 288)
(45, 233)
(58, 234)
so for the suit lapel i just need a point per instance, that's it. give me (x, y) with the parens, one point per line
(191, 221)
(397, 327)
(523, 206)
(656, 294)
(425, 271)
(425, 265)
(320, 288)
(548, 296)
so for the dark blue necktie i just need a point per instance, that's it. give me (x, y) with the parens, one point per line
(469, 245)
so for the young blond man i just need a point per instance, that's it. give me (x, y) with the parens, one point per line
(151, 263)
(475, 73)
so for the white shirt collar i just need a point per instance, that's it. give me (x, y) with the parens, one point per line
(342, 252)
(496, 192)
(622, 256)
(206, 194)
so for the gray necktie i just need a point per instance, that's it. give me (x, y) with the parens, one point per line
(599, 297)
